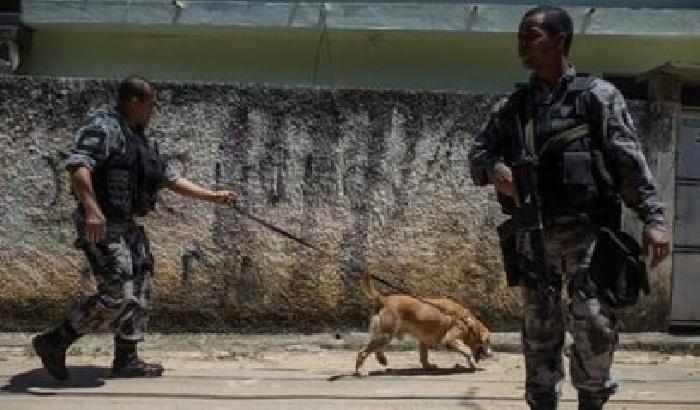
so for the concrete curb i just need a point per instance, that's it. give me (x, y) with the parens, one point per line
(232, 344)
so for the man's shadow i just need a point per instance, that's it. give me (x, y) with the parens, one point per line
(81, 377)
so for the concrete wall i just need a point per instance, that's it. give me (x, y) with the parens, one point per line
(378, 179)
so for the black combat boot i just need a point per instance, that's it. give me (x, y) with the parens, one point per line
(587, 401)
(550, 405)
(51, 349)
(542, 402)
(127, 363)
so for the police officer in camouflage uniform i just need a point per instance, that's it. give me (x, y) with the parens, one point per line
(116, 172)
(589, 158)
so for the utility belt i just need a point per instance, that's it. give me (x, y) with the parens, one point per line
(129, 218)
(607, 214)
(550, 222)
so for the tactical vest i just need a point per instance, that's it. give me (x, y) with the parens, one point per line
(127, 183)
(566, 138)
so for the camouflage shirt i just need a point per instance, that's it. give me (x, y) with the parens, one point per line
(103, 136)
(635, 182)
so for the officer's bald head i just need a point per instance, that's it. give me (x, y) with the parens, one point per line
(556, 21)
(133, 88)
(136, 100)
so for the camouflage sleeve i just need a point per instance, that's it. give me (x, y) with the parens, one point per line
(636, 184)
(90, 148)
(485, 153)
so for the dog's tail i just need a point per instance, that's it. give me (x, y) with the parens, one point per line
(369, 290)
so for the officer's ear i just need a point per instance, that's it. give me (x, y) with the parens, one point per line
(135, 101)
(561, 40)
(128, 102)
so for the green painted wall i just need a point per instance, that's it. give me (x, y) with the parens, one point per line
(380, 59)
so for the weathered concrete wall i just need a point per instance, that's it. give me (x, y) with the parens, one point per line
(379, 180)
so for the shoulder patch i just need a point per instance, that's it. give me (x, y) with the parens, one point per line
(582, 83)
(107, 124)
(91, 138)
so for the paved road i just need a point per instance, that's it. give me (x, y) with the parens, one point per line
(321, 379)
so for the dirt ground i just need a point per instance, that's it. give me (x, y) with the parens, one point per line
(307, 377)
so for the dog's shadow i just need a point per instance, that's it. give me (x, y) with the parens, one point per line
(81, 377)
(419, 371)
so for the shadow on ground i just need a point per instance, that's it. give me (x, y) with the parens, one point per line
(411, 372)
(81, 377)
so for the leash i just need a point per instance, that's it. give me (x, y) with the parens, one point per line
(297, 239)
(397, 288)
(274, 228)
(407, 292)
(384, 282)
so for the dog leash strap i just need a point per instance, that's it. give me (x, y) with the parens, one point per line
(274, 228)
(307, 244)
(409, 293)
(391, 285)
(404, 291)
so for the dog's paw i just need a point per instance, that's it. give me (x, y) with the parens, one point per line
(361, 373)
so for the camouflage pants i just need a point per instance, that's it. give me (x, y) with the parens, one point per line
(122, 266)
(591, 323)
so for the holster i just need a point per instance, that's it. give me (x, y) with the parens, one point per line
(617, 269)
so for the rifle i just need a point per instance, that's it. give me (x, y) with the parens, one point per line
(526, 216)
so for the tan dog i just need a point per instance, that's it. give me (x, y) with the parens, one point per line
(433, 322)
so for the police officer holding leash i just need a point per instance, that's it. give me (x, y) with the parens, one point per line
(562, 153)
(116, 172)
